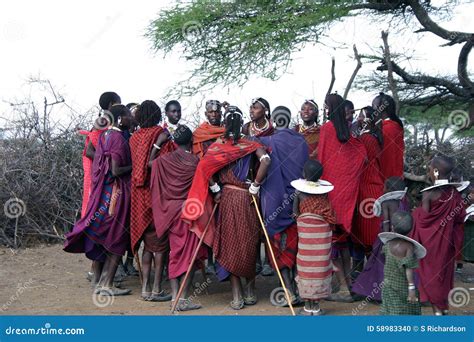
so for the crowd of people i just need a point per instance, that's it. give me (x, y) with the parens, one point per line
(327, 198)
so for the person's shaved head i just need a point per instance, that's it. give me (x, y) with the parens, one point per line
(444, 164)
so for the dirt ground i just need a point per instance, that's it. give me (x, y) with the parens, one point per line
(47, 281)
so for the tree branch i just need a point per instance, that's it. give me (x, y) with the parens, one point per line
(391, 81)
(428, 81)
(462, 67)
(454, 37)
(354, 74)
(333, 75)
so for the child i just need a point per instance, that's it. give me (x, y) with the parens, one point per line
(315, 220)
(437, 225)
(369, 282)
(399, 295)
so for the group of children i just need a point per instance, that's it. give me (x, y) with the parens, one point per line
(169, 188)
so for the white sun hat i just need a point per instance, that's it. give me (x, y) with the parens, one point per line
(469, 212)
(392, 195)
(442, 182)
(463, 186)
(314, 188)
(420, 251)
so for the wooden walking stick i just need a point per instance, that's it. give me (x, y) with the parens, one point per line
(287, 295)
(137, 259)
(190, 267)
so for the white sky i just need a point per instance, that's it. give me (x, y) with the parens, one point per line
(88, 47)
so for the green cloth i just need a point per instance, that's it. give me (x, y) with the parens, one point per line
(395, 286)
(468, 246)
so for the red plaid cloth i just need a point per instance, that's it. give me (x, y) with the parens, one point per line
(393, 148)
(237, 232)
(366, 224)
(343, 166)
(141, 144)
(285, 247)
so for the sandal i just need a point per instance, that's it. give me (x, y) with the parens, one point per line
(187, 305)
(267, 271)
(97, 289)
(305, 312)
(250, 300)
(145, 295)
(339, 297)
(161, 296)
(114, 291)
(237, 305)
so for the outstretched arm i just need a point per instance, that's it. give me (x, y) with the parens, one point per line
(90, 151)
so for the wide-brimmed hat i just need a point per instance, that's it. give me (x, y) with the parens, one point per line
(469, 212)
(463, 186)
(314, 188)
(420, 251)
(392, 195)
(442, 182)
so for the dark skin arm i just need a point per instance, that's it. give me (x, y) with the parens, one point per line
(410, 277)
(296, 204)
(264, 165)
(428, 197)
(401, 249)
(90, 151)
(162, 138)
(118, 170)
(388, 208)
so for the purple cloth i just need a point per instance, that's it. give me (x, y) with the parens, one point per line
(241, 168)
(289, 153)
(112, 234)
(369, 282)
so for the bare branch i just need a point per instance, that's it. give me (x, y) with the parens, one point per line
(454, 37)
(333, 75)
(354, 73)
(391, 81)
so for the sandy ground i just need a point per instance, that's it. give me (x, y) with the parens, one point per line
(47, 281)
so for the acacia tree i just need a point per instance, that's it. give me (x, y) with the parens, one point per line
(231, 41)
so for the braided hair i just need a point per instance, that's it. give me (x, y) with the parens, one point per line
(233, 124)
(335, 105)
(387, 106)
(148, 114)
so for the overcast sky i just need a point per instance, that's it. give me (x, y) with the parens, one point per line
(87, 47)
